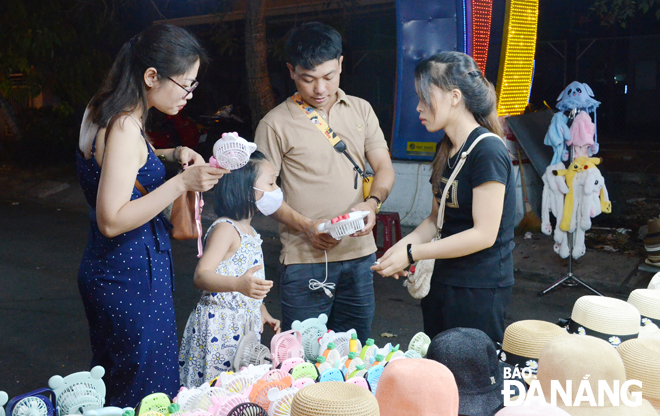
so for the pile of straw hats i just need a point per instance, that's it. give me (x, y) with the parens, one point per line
(334, 398)
(641, 358)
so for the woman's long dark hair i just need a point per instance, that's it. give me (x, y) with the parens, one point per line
(234, 193)
(455, 70)
(169, 49)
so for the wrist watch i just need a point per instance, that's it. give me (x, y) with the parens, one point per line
(378, 203)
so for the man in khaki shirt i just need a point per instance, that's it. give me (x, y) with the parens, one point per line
(320, 183)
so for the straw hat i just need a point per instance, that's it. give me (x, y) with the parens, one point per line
(523, 341)
(655, 282)
(471, 356)
(641, 358)
(652, 242)
(647, 302)
(416, 386)
(334, 398)
(610, 319)
(573, 357)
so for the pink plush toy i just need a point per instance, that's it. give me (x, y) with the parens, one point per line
(582, 134)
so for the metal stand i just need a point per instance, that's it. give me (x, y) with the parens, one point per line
(570, 279)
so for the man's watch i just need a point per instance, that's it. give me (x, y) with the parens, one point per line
(378, 203)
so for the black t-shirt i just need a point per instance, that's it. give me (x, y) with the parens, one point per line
(492, 267)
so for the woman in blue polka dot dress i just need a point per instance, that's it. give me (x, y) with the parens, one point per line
(126, 275)
(230, 274)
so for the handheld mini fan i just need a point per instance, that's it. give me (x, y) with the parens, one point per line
(341, 341)
(332, 374)
(255, 372)
(311, 329)
(373, 376)
(344, 225)
(420, 342)
(302, 382)
(280, 401)
(359, 381)
(260, 389)
(286, 345)
(36, 403)
(275, 375)
(248, 409)
(156, 402)
(289, 363)
(204, 401)
(369, 350)
(250, 350)
(305, 370)
(224, 405)
(114, 411)
(412, 354)
(232, 151)
(80, 391)
(187, 398)
(236, 383)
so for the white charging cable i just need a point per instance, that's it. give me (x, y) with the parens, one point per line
(327, 287)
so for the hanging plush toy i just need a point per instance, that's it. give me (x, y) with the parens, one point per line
(577, 96)
(557, 136)
(552, 199)
(581, 134)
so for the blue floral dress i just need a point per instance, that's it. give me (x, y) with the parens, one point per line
(216, 325)
(126, 285)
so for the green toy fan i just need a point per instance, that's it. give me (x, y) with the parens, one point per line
(311, 330)
(79, 392)
(308, 370)
(156, 402)
(420, 342)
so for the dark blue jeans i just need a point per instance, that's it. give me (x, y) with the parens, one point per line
(352, 305)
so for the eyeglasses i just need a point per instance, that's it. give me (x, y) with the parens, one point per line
(188, 90)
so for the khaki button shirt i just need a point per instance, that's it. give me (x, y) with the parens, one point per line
(317, 181)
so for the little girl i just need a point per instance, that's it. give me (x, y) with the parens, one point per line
(230, 274)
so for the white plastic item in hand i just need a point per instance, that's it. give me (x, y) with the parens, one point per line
(344, 225)
(232, 151)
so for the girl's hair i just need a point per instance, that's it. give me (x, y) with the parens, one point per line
(169, 49)
(234, 193)
(455, 70)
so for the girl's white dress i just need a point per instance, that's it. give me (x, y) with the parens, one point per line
(219, 320)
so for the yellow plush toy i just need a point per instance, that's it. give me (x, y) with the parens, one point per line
(578, 165)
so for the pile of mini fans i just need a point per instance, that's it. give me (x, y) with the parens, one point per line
(263, 382)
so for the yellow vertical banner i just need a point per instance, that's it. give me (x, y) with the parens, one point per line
(514, 79)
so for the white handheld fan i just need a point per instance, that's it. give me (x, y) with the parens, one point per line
(420, 342)
(205, 400)
(344, 225)
(311, 329)
(78, 392)
(255, 372)
(286, 345)
(369, 350)
(236, 383)
(250, 350)
(412, 354)
(232, 151)
(187, 398)
(280, 401)
(36, 403)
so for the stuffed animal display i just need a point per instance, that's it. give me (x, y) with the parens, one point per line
(576, 193)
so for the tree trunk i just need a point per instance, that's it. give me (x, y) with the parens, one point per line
(260, 91)
(9, 118)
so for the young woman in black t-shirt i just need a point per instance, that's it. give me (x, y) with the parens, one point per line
(473, 274)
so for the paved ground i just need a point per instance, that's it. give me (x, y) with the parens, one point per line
(43, 330)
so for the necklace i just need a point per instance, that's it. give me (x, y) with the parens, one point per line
(247, 232)
(457, 153)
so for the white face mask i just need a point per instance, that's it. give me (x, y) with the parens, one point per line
(270, 202)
